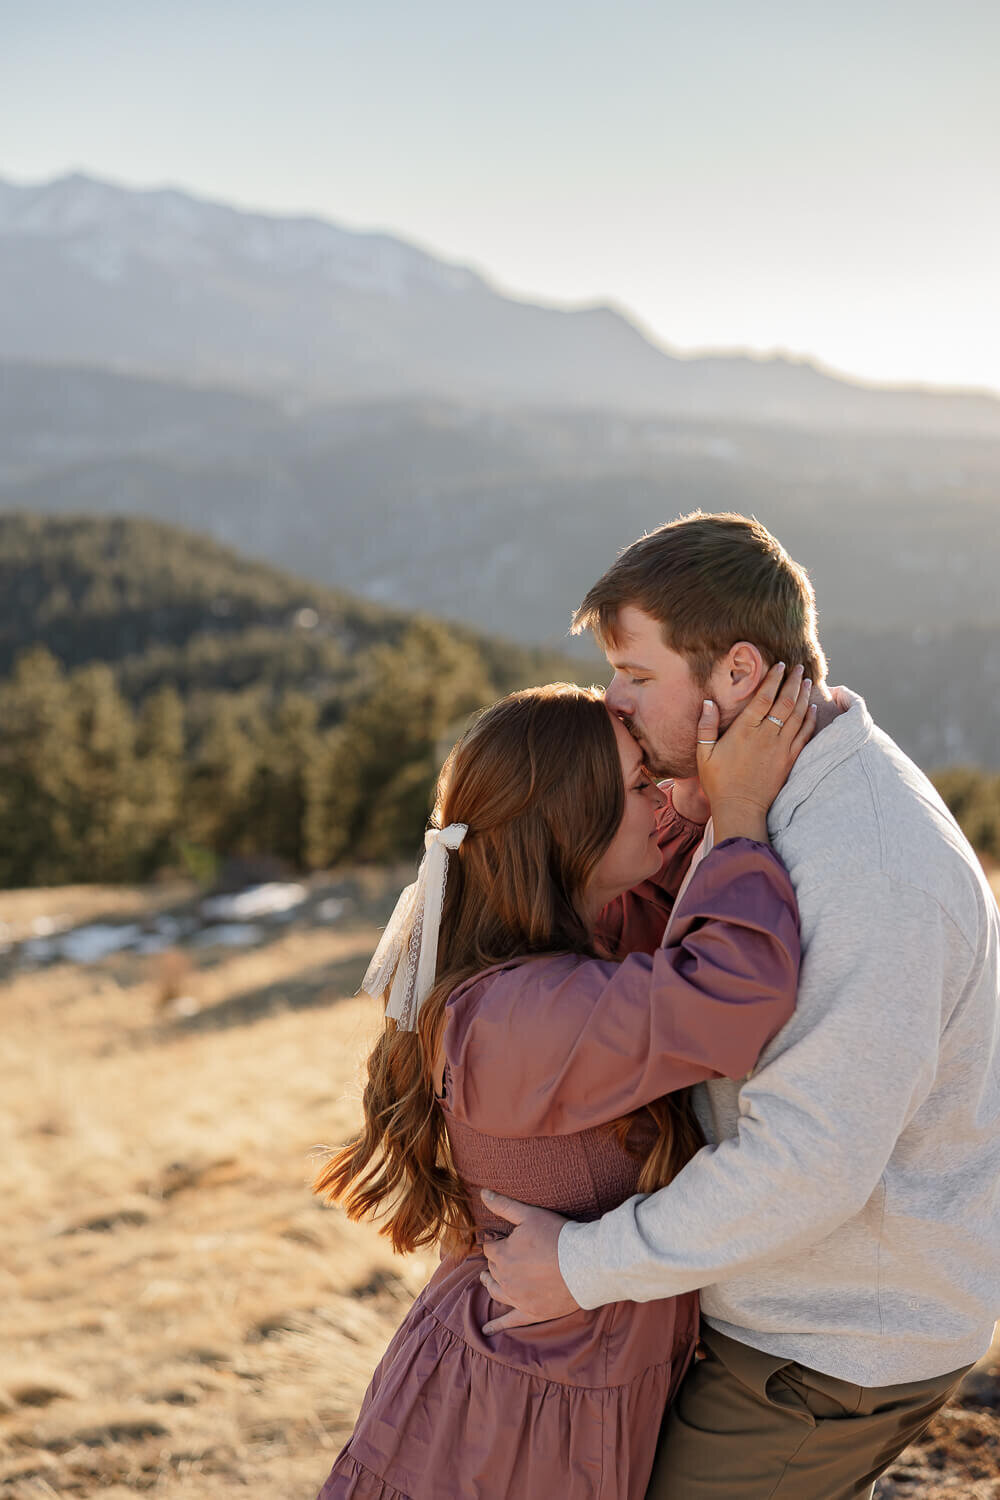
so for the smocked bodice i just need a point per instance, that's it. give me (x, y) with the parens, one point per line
(581, 1176)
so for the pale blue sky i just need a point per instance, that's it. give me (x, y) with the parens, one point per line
(819, 178)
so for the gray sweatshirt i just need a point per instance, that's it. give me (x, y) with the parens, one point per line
(847, 1212)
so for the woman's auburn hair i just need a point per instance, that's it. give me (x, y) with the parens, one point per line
(538, 781)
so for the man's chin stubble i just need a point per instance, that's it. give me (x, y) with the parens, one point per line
(660, 769)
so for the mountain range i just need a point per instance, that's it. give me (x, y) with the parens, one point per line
(162, 282)
(354, 411)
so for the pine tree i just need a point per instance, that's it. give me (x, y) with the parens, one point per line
(108, 812)
(277, 799)
(221, 776)
(38, 773)
(160, 769)
(418, 699)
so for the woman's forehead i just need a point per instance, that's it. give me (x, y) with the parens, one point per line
(628, 748)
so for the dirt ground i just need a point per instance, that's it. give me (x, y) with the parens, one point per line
(177, 1313)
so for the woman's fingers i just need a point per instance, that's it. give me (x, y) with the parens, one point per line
(763, 699)
(788, 697)
(797, 712)
(805, 730)
(708, 724)
(801, 721)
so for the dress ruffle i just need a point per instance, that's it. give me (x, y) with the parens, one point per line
(443, 1420)
(350, 1480)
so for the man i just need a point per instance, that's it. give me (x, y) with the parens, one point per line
(844, 1221)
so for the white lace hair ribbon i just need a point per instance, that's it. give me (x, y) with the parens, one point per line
(407, 952)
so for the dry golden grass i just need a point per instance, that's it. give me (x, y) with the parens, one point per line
(179, 1314)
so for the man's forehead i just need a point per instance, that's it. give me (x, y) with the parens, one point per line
(628, 654)
(635, 635)
(634, 623)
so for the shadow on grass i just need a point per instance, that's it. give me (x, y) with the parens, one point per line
(324, 985)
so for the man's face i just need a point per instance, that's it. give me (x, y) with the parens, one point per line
(655, 693)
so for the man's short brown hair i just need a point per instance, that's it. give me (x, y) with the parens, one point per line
(710, 581)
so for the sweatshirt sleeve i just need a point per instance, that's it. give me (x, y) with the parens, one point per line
(635, 922)
(818, 1119)
(557, 1045)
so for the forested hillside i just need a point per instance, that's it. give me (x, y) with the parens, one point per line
(167, 701)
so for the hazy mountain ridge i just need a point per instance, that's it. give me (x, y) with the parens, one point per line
(504, 518)
(162, 282)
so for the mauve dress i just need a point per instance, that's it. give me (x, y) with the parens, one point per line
(540, 1057)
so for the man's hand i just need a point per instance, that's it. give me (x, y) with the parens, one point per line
(524, 1267)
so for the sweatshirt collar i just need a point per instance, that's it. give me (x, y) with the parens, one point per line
(829, 748)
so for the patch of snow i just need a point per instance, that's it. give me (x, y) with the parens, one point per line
(229, 935)
(41, 950)
(169, 927)
(330, 909)
(86, 945)
(152, 942)
(258, 901)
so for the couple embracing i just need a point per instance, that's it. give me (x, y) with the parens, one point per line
(695, 1082)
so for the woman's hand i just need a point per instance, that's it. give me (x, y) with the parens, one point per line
(742, 772)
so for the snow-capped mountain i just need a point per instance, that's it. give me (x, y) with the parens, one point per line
(162, 282)
(101, 227)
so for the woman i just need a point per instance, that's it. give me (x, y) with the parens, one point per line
(515, 1057)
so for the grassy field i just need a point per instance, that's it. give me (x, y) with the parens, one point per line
(179, 1314)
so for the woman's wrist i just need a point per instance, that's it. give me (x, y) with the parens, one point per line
(738, 818)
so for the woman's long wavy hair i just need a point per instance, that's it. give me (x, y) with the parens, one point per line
(538, 780)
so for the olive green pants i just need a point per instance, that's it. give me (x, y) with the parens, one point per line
(752, 1426)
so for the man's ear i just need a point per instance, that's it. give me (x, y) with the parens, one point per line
(739, 674)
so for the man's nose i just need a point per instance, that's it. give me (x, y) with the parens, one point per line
(617, 697)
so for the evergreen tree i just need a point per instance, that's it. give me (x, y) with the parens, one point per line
(108, 812)
(417, 699)
(160, 751)
(38, 773)
(221, 776)
(277, 799)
